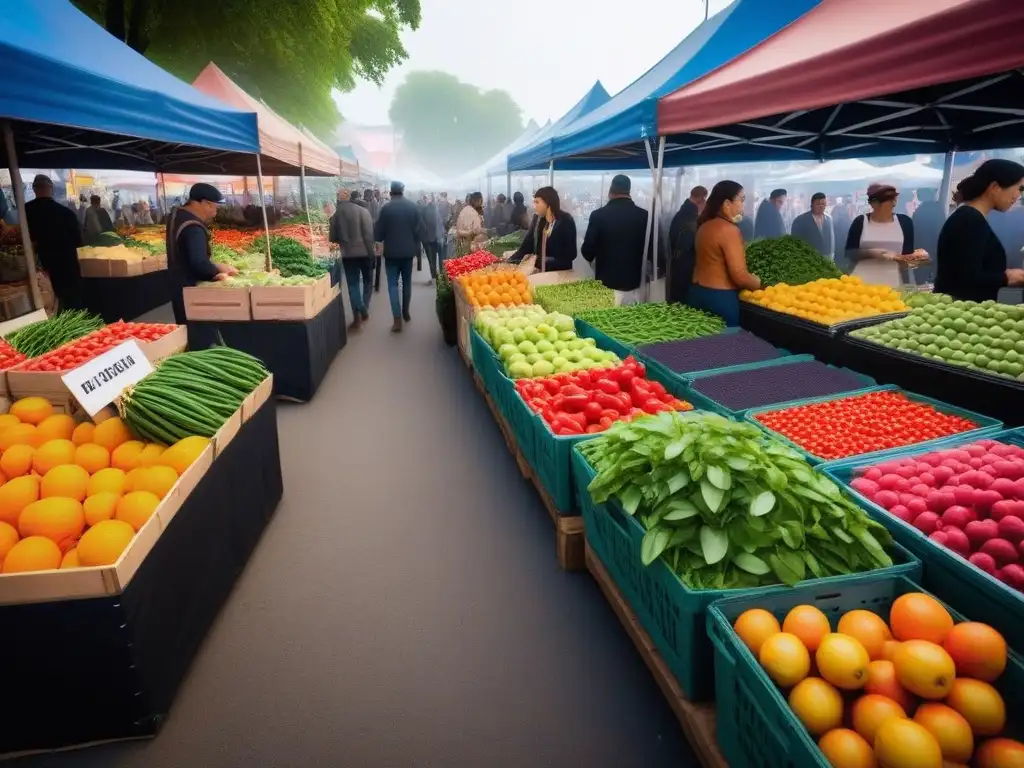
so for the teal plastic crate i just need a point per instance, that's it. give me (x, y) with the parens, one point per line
(688, 377)
(604, 341)
(705, 403)
(755, 726)
(669, 611)
(948, 575)
(486, 362)
(985, 424)
(520, 419)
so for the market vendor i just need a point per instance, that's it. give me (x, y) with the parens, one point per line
(880, 244)
(188, 245)
(971, 260)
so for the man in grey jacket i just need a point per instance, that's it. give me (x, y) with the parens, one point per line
(431, 246)
(400, 228)
(352, 230)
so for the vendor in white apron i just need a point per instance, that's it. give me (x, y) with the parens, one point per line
(880, 245)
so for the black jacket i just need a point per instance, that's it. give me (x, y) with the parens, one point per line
(188, 250)
(820, 239)
(400, 227)
(561, 247)
(54, 229)
(682, 240)
(614, 243)
(768, 222)
(970, 259)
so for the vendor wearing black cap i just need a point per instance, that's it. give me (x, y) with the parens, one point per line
(188, 245)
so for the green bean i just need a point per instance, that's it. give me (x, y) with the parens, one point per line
(651, 323)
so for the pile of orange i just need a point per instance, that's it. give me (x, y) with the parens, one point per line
(498, 288)
(73, 495)
(914, 693)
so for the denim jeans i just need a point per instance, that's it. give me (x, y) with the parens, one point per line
(395, 269)
(356, 269)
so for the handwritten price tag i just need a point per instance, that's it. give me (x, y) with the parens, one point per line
(99, 382)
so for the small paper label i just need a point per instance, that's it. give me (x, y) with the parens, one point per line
(97, 383)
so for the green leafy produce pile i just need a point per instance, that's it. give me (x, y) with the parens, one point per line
(243, 262)
(650, 323)
(509, 242)
(316, 216)
(292, 259)
(986, 336)
(787, 260)
(41, 337)
(725, 506)
(248, 279)
(573, 298)
(155, 248)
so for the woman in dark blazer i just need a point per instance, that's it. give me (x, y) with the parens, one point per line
(552, 233)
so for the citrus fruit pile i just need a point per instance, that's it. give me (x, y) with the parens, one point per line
(828, 301)
(73, 495)
(500, 288)
(914, 693)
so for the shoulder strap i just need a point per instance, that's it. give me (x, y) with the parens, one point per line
(184, 224)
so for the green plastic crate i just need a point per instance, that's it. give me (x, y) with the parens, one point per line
(486, 362)
(986, 425)
(756, 728)
(948, 575)
(669, 611)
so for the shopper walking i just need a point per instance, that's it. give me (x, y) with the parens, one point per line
(519, 219)
(400, 228)
(55, 231)
(352, 229)
(432, 229)
(616, 239)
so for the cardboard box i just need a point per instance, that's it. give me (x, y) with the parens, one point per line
(125, 268)
(206, 303)
(94, 267)
(289, 302)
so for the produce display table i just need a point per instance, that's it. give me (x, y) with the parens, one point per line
(297, 352)
(125, 298)
(108, 668)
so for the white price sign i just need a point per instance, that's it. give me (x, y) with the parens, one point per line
(97, 383)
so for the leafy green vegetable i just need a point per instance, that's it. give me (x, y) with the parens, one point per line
(290, 257)
(789, 260)
(574, 298)
(509, 242)
(650, 323)
(725, 506)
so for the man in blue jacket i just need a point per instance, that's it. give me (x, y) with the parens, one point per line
(400, 228)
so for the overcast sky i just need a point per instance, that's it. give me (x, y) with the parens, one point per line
(546, 53)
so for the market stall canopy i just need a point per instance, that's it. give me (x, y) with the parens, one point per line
(79, 98)
(278, 140)
(612, 136)
(537, 154)
(861, 77)
(346, 168)
(497, 164)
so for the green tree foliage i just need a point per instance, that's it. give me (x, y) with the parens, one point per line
(452, 126)
(289, 54)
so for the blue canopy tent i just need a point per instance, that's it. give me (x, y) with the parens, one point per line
(537, 156)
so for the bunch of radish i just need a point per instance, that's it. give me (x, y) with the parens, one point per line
(968, 499)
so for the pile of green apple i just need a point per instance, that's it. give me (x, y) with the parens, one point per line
(532, 342)
(985, 336)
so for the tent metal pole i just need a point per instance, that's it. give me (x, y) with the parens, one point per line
(551, 173)
(657, 206)
(19, 200)
(947, 182)
(508, 186)
(263, 207)
(305, 200)
(650, 220)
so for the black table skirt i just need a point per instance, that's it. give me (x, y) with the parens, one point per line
(125, 298)
(80, 671)
(297, 352)
(790, 333)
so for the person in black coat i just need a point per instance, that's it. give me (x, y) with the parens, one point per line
(615, 239)
(400, 228)
(769, 221)
(814, 227)
(54, 229)
(682, 234)
(552, 233)
(928, 220)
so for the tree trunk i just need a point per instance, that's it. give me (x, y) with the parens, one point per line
(114, 15)
(138, 39)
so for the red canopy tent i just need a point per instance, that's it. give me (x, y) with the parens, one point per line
(862, 77)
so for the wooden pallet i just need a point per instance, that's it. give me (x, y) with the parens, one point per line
(568, 528)
(697, 720)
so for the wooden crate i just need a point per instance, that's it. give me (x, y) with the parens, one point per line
(257, 398)
(94, 267)
(151, 265)
(206, 303)
(464, 314)
(289, 302)
(125, 268)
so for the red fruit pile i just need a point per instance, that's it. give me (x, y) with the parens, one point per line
(73, 354)
(968, 499)
(470, 263)
(850, 426)
(9, 356)
(589, 401)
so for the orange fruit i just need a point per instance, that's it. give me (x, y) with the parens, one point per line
(59, 519)
(17, 460)
(980, 704)
(100, 506)
(843, 661)
(111, 433)
(15, 495)
(83, 433)
(53, 453)
(754, 626)
(882, 681)
(59, 426)
(889, 649)
(20, 434)
(1000, 753)
(949, 728)
(817, 705)
(868, 628)
(901, 743)
(150, 454)
(104, 542)
(31, 410)
(110, 479)
(870, 711)
(917, 616)
(136, 508)
(156, 480)
(126, 455)
(8, 538)
(844, 748)
(8, 420)
(924, 669)
(36, 553)
(977, 650)
(67, 481)
(785, 659)
(809, 624)
(92, 458)
(133, 477)
(70, 559)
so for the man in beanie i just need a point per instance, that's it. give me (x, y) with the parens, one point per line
(615, 237)
(400, 228)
